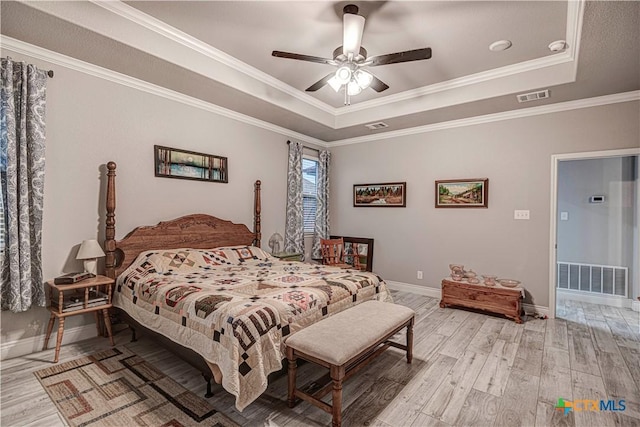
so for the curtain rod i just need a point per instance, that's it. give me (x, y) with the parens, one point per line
(308, 148)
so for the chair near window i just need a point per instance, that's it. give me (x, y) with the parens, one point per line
(333, 253)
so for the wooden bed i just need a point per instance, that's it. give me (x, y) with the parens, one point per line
(196, 231)
(205, 288)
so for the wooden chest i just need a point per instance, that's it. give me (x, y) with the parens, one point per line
(494, 299)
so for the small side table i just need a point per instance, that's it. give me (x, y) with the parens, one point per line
(288, 256)
(87, 296)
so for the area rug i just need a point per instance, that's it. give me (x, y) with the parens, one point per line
(116, 387)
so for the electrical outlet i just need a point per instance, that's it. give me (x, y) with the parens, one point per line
(521, 214)
(564, 216)
(419, 275)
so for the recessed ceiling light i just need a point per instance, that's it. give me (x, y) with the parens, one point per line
(558, 46)
(500, 45)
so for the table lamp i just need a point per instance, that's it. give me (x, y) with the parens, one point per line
(90, 251)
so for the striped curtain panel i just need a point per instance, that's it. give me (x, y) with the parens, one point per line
(22, 148)
(294, 226)
(321, 230)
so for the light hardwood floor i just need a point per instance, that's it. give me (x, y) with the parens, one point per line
(469, 369)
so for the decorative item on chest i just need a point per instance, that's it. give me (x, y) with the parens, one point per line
(459, 274)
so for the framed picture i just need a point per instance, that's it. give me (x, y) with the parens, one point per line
(391, 194)
(183, 164)
(462, 193)
(363, 245)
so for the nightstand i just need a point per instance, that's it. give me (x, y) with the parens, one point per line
(288, 256)
(87, 296)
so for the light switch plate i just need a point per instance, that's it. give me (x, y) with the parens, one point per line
(521, 214)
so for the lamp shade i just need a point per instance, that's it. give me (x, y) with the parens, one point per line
(90, 249)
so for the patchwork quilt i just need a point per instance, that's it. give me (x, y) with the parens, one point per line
(236, 306)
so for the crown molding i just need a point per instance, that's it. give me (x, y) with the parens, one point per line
(496, 117)
(134, 15)
(37, 52)
(118, 20)
(20, 47)
(472, 79)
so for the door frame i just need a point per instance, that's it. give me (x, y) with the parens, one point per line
(553, 211)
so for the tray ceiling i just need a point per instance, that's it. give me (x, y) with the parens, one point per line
(220, 52)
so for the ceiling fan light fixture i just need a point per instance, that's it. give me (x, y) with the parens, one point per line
(353, 26)
(363, 78)
(334, 83)
(353, 88)
(343, 75)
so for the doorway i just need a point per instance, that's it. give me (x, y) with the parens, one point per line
(595, 206)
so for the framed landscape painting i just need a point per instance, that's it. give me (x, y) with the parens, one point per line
(183, 164)
(391, 194)
(462, 193)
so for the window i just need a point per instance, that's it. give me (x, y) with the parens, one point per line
(309, 192)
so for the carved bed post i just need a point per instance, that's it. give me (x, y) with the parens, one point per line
(256, 218)
(110, 234)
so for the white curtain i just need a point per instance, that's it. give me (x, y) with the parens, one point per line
(294, 227)
(321, 229)
(22, 148)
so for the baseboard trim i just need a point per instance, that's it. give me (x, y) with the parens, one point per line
(533, 310)
(611, 300)
(427, 291)
(23, 346)
(529, 309)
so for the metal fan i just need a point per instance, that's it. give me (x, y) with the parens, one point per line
(351, 59)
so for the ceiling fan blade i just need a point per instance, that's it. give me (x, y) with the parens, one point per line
(378, 85)
(300, 57)
(320, 83)
(352, 29)
(398, 57)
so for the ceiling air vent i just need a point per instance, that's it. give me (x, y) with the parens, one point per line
(376, 126)
(533, 96)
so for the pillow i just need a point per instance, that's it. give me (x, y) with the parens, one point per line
(183, 260)
(241, 254)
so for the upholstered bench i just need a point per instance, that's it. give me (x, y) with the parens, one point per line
(344, 343)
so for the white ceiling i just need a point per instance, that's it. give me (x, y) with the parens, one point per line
(220, 52)
(459, 34)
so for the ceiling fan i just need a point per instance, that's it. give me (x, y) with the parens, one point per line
(352, 61)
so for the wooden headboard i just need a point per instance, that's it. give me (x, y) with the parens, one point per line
(198, 231)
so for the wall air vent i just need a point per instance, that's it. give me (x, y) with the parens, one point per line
(376, 126)
(533, 96)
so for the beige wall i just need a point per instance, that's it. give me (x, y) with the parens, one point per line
(91, 121)
(516, 157)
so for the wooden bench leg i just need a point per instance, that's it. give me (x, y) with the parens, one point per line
(410, 340)
(337, 375)
(291, 358)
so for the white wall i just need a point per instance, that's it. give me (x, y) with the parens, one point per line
(597, 233)
(516, 157)
(91, 121)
